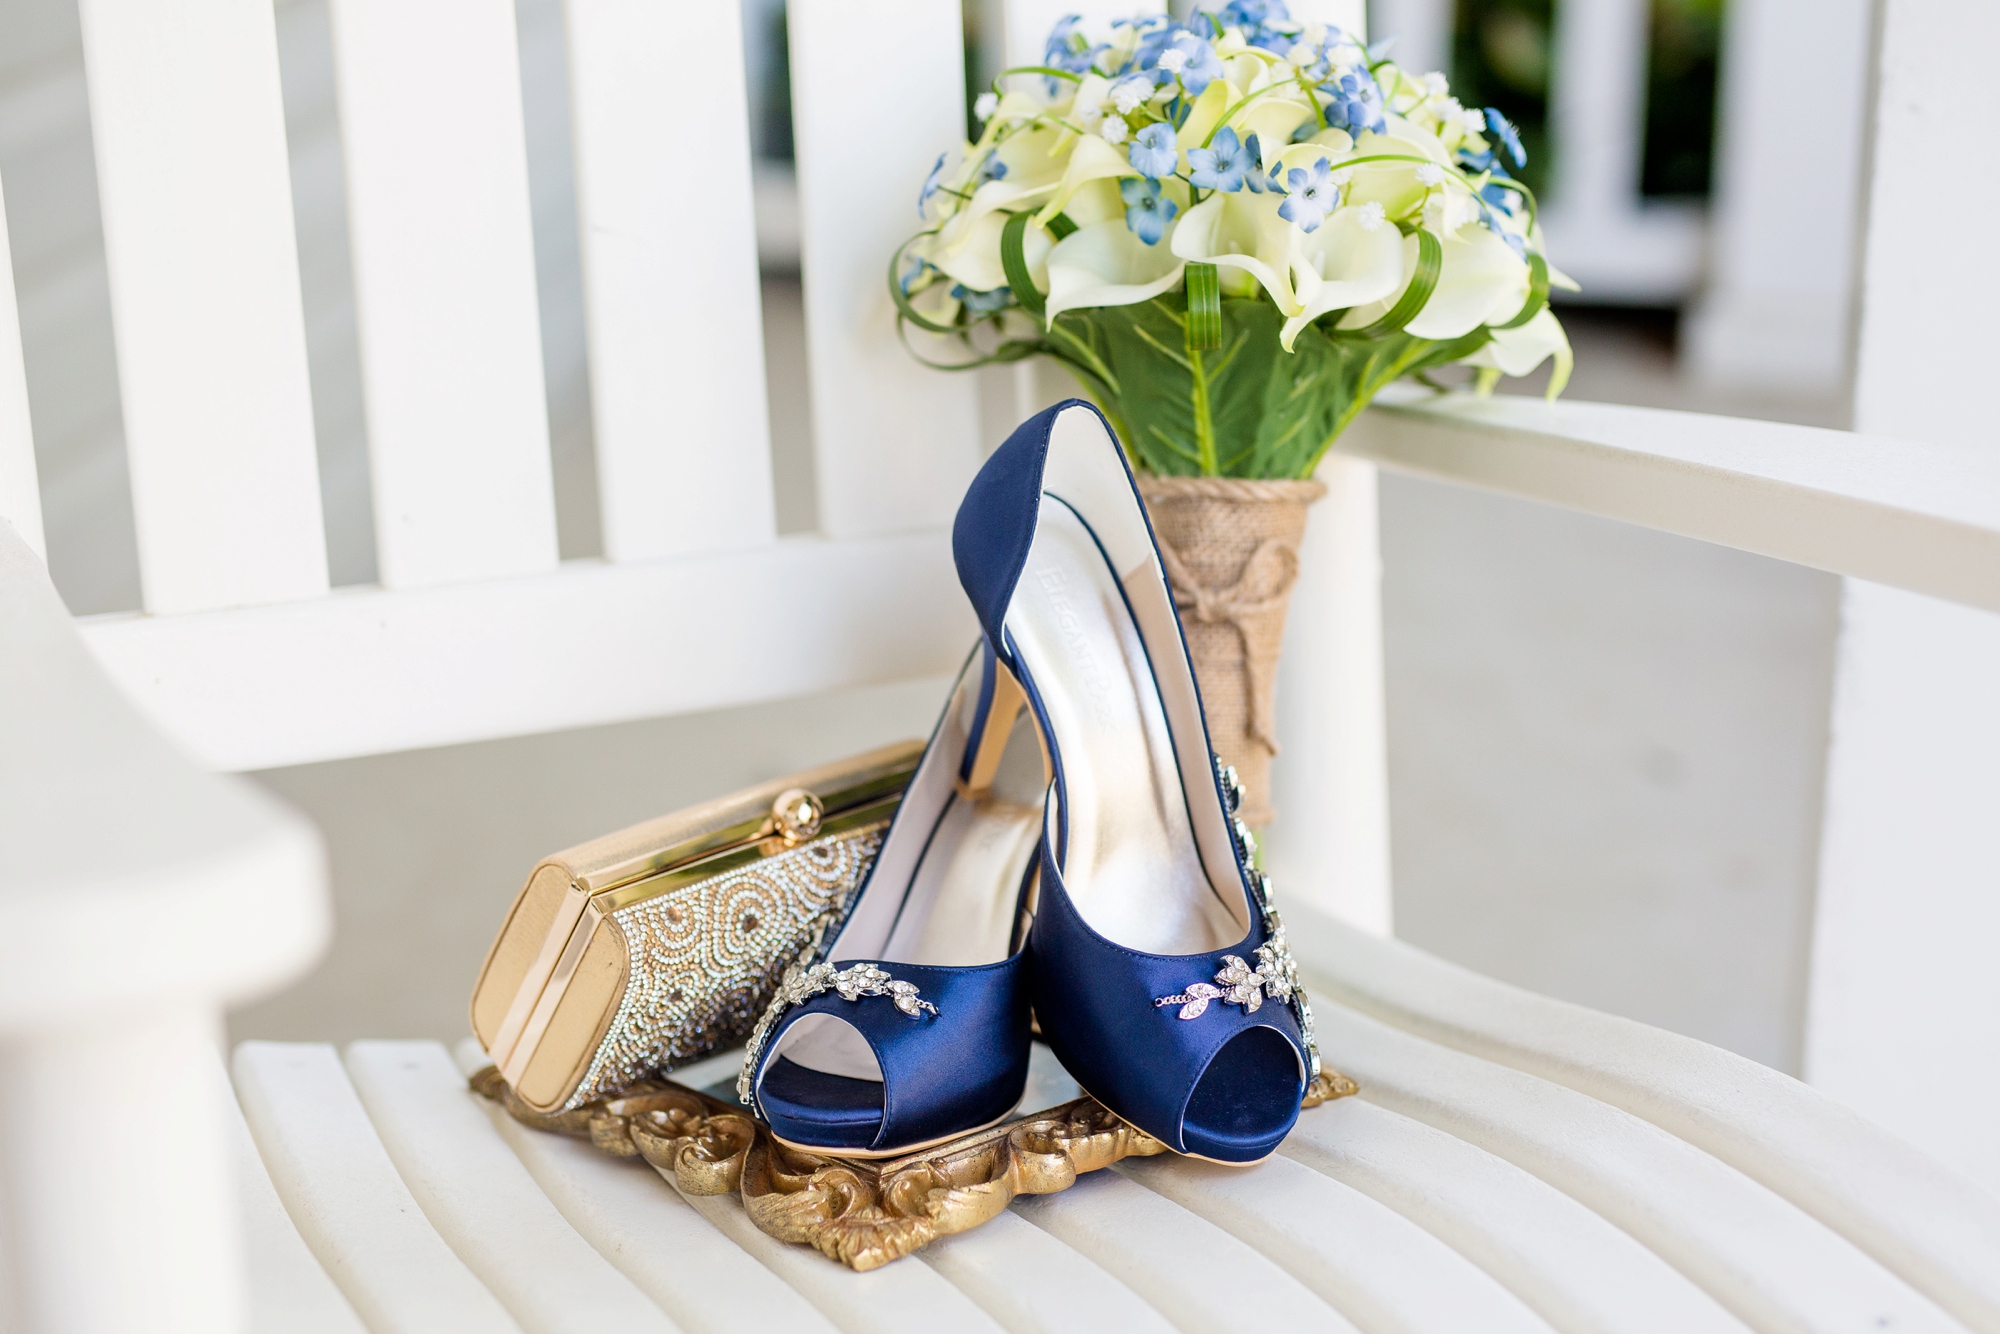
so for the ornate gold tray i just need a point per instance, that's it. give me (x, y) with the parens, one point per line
(861, 1212)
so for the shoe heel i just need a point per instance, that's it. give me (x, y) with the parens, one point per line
(1001, 701)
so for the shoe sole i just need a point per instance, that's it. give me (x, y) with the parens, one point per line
(822, 1151)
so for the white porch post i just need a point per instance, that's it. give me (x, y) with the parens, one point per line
(1903, 1007)
(1776, 309)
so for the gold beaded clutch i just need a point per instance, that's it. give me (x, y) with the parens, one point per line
(638, 952)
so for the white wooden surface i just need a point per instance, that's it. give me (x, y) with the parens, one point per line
(895, 442)
(670, 277)
(20, 496)
(444, 288)
(189, 133)
(1331, 776)
(1903, 1006)
(1916, 512)
(366, 671)
(1619, 246)
(138, 896)
(1776, 310)
(1513, 1164)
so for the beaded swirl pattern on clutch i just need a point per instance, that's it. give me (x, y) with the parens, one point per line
(704, 963)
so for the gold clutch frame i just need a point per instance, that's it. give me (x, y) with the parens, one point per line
(628, 956)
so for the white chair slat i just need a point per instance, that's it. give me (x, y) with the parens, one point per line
(1186, 1266)
(368, 671)
(1761, 1257)
(675, 324)
(188, 126)
(637, 1221)
(1567, 1263)
(444, 284)
(896, 442)
(1936, 1229)
(290, 1293)
(906, 1297)
(1361, 1257)
(1349, 14)
(483, 1202)
(338, 1184)
(1028, 1280)
(20, 495)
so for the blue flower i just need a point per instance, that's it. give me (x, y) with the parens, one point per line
(1147, 213)
(1193, 60)
(1227, 165)
(1067, 48)
(1311, 196)
(1155, 31)
(1356, 104)
(911, 274)
(931, 184)
(1153, 153)
(1253, 13)
(982, 303)
(1504, 130)
(1252, 16)
(991, 170)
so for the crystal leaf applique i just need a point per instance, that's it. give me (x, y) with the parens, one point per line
(1275, 977)
(801, 984)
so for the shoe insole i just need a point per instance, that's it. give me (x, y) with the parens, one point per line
(1132, 868)
(961, 905)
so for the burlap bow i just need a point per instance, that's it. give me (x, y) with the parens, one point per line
(1260, 590)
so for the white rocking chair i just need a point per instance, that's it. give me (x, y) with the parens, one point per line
(1513, 1163)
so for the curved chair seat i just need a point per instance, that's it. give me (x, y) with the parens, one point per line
(1513, 1163)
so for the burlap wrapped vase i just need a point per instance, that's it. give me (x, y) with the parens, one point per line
(1231, 549)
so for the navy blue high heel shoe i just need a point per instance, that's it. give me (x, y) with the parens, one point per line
(1161, 976)
(910, 1024)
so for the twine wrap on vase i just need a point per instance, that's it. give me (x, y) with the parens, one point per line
(1231, 550)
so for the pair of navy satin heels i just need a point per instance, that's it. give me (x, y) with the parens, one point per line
(1067, 846)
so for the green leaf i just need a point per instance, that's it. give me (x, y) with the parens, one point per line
(904, 310)
(1204, 297)
(1014, 261)
(1538, 292)
(1430, 263)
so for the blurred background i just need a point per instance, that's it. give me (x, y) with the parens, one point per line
(1605, 744)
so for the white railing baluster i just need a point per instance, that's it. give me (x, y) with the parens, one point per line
(670, 277)
(444, 286)
(20, 496)
(895, 442)
(189, 131)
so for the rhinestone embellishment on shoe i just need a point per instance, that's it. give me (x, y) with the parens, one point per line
(1275, 976)
(802, 984)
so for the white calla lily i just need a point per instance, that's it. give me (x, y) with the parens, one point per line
(1033, 170)
(1093, 160)
(1243, 231)
(975, 260)
(1519, 351)
(1482, 281)
(1351, 260)
(1106, 265)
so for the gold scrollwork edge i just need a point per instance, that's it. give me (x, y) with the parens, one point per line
(862, 1212)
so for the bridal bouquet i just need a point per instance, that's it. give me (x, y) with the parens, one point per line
(1234, 231)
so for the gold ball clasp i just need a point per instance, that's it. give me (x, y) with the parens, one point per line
(797, 813)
